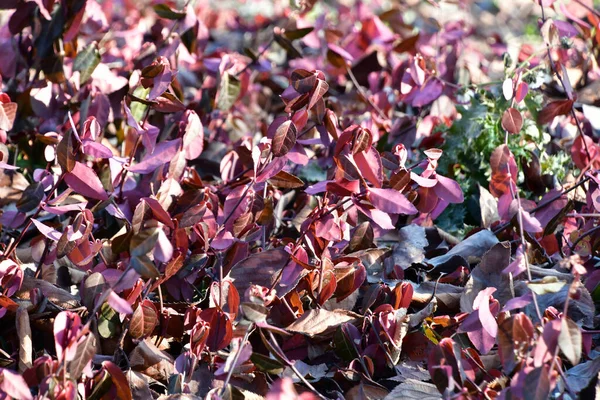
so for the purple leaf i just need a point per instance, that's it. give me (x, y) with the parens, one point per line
(272, 169)
(163, 250)
(482, 340)
(13, 385)
(482, 303)
(379, 217)
(84, 180)
(119, 304)
(66, 327)
(391, 201)
(317, 188)
(428, 93)
(4, 165)
(45, 230)
(163, 153)
(423, 182)
(96, 149)
(518, 265)
(547, 343)
(193, 138)
(530, 223)
(448, 189)
(518, 302)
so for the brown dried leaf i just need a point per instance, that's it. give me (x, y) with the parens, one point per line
(56, 295)
(86, 349)
(321, 322)
(260, 269)
(489, 274)
(143, 320)
(25, 343)
(150, 360)
(285, 180)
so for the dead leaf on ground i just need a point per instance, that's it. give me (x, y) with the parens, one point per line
(321, 322)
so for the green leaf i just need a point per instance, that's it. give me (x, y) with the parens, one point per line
(343, 346)
(266, 364)
(143, 243)
(86, 62)
(139, 109)
(108, 321)
(144, 266)
(229, 90)
(164, 11)
(294, 34)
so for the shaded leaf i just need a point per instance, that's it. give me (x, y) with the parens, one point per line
(414, 389)
(229, 90)
(261, 269)
(164, 11)
(25, 339)
(86, 62)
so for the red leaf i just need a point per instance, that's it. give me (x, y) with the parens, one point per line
(220, 332)
(579, 151)
(391, 201)
(554, 109)
(119, 380)
(159, 212)
(504, 171)
(143, 320)
(84, 180)
(369, 165)
(225, 296)
(512, 121)
(303, 81)
(522, 90)
(284, 139)
(320, 89)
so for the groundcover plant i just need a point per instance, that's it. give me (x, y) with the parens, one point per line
(305, 199)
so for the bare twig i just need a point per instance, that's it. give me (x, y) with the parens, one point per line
(364, 94)
(564, 86)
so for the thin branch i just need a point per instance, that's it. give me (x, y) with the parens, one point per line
(564, 86)
(12, 248)
(364, 94)
(235, 358)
